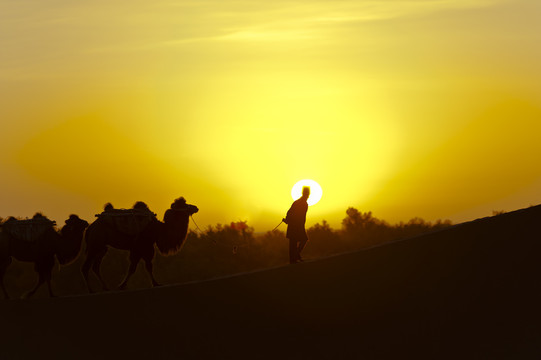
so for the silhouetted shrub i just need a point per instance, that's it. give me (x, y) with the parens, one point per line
(323, 241)
(364, 229)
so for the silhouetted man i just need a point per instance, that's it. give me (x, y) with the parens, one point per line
(295, 220)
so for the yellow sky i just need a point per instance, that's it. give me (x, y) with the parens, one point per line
(404, 108)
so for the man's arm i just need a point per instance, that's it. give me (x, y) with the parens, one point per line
(289, 215)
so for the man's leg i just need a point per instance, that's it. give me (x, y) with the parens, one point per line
(293, 251)
(302, 244)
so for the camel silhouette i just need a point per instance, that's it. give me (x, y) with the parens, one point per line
(37, 241)
(111, 229)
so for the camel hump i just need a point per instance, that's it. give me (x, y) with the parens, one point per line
(29, 230)
(128, 221)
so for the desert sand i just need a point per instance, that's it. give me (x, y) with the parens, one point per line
(472, 291)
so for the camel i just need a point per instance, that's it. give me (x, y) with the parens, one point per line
(37, 241)
(168, 236)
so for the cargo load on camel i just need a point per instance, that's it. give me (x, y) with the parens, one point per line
(128, 221)
(29, 230)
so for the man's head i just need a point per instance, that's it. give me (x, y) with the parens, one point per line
(306, 192)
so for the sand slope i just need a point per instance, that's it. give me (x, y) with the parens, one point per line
(472, 292)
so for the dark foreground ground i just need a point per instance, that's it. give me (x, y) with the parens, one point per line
(470, 292)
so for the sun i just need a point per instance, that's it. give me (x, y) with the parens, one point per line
(315, 191)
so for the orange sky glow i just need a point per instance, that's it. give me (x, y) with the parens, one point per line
(403, 108)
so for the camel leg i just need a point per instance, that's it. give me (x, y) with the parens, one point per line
(86, 268)
(93, 260)
(30, 293)
(134, 260)
(33, 291)
(96, 268)
(48, 280)
(44, 270)
(148, 265)
(3, 267)
(147, 257)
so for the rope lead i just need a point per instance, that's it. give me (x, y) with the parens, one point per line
(196, 224)
(278, 225)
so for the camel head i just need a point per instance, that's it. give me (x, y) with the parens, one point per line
(181, 206)
(176, 221)
(178, 214)
(71, 237)
(76, 224)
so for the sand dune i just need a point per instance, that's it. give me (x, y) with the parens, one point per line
(472, 291)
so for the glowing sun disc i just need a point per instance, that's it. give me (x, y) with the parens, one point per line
(315, 191)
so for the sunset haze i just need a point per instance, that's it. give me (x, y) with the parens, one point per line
(402, 108)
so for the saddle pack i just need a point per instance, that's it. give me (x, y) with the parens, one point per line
(29, 230)
(128, 221)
